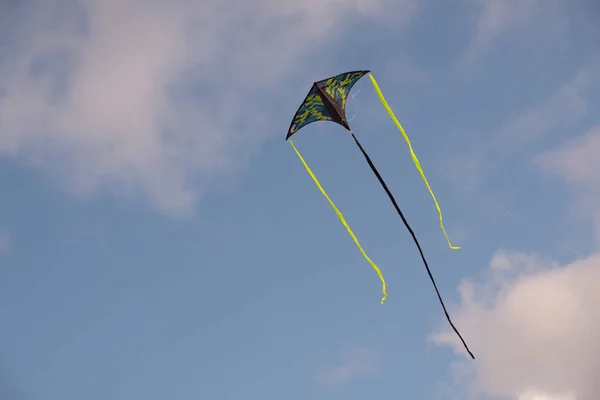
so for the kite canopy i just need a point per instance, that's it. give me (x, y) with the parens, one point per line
(326, 101)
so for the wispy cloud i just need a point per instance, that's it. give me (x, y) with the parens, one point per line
(543, 49)
(532, 20)
(148, 98)
(569, 102)
(355, 362)
(578, 163)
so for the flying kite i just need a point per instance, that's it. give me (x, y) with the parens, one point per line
(326, 101)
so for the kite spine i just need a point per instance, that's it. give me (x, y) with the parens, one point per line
(414, 157)
(343, 221)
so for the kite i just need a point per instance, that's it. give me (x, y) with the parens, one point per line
(326, 101)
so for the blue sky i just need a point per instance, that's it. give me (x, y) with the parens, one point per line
(160, 239)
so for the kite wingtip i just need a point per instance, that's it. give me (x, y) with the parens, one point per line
(455, 247)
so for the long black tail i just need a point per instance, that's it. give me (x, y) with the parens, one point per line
(414, 238)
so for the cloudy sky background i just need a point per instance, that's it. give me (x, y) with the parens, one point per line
(159, 239)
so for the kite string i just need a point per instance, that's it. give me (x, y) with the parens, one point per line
(343, 221)
(414, 237)
(514, 215)
(413, 155)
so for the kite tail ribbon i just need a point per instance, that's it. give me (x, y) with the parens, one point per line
(343, 221)
(393, 200)
(414, 157)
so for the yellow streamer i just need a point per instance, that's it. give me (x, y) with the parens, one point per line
(343, 220)
(414, 157)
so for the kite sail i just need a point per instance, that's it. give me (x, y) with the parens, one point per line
(326, 101)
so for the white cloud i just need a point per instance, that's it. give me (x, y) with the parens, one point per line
(537, 395)
(147, 97)
(356, 362)
(534, 331)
